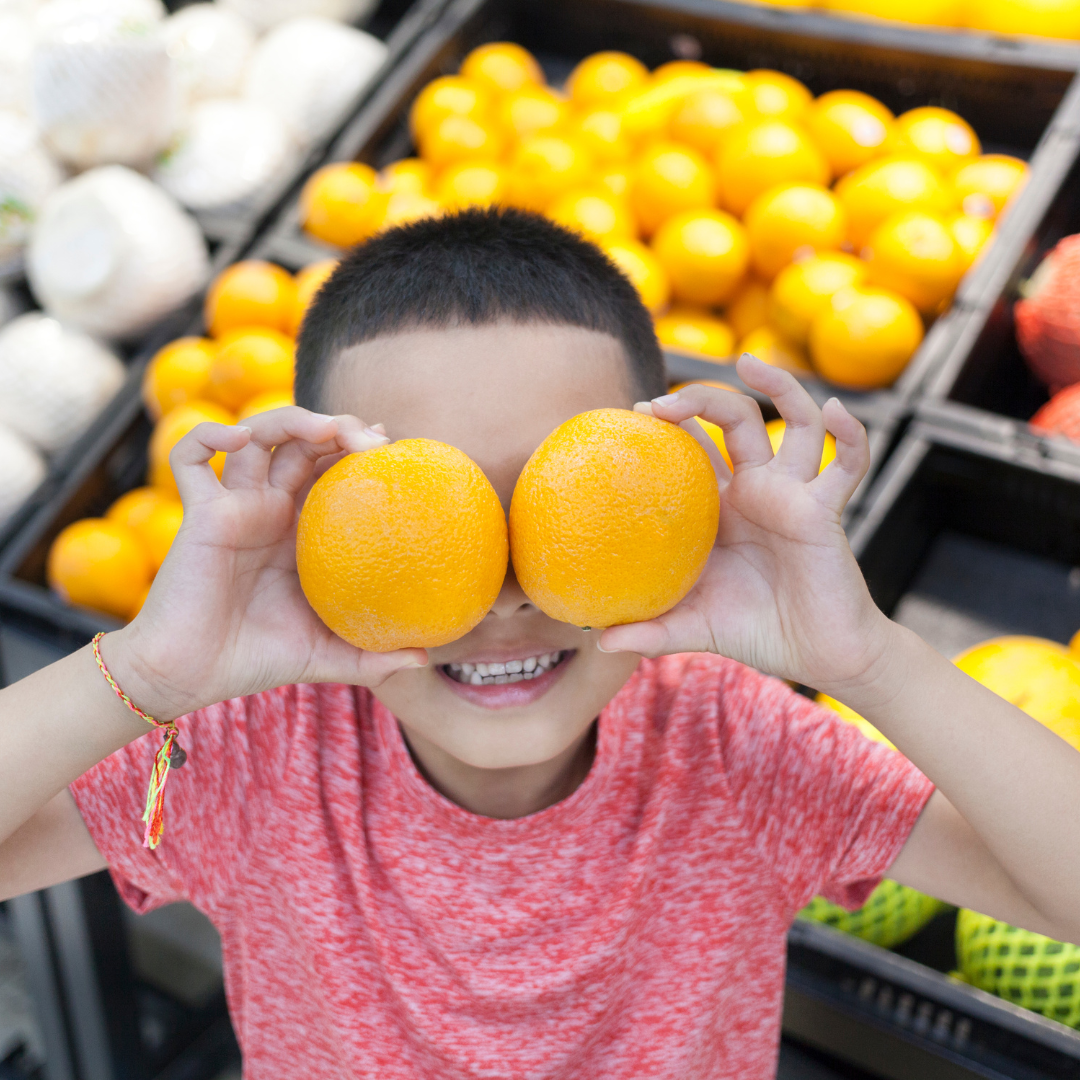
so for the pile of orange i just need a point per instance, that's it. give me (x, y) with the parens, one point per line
(243, 367)
(816, 233)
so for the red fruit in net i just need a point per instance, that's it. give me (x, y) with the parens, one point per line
(1048, 320)
(1060, 415)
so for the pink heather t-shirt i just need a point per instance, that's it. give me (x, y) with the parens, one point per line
(373, 929)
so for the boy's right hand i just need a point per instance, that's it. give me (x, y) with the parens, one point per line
(226, 616)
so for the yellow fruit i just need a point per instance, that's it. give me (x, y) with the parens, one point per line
(849, 127)
(647, 113)
(1041, 677)
(99, 564)
(705, 254)
(471, 183)
(402, 547)
(777, 95)
(308, 282)
(543, 167)
(249, 362)
(915, 255)
(694, 330)
(971, 234)
(803, 290)
(773, 348)
(879, 189)
(616, 179)
(266, 402)
(746, 310)
(532, 110)
(852, 717)
(760, 156)
(706, 118)
(984, 186)
(938, 136)
(1041, 18)
(865, 337)
(341, 204)
(460, 138)
(171, 428)
(922, 12)
(597, 215)
(775, 430)
(404, 207)
(178, 372)
(603, 77)
(134, 507)
(154, 515)
(449, 95)
(408, 174)
(644, 271)
(250, 293)
(675, 69)
(666, 180)
(613, 518)
(792, 221)
(502, 67)
(600, 131)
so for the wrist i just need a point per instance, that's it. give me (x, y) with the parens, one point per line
(889, 656)
(134, 666)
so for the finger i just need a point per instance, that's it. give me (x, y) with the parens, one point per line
(692, 427)
(738, 414)
(840, 478)
(293, 464)
(190, 458)
(341, 662)
(647, 638)
(804, 437)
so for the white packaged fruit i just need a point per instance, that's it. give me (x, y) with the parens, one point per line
(111, 253)
(28, 175)
(53, 380)
(21, 470)
(16, 46)
(209, 47)
(265, 14)
(103, 87)
(309, 70)
(224, 155)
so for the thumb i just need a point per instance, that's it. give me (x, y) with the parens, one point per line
(646, 638)
(344, 663)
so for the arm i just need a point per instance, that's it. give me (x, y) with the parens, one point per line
(225, 617)
(783, 593)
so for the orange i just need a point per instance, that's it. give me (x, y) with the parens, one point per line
(154, 515)
(879, 189)
(694, 330)
(746, 309)
(341, 204)
(915, 255)
(603, 77)
(404, 207)
(408, 174)
(597, 215)
(544, 167)
(99, 564)
(402, 547)
(804, 289)
(178, 372)
(135, 507)
(502, 66)
(773, 348)
(984, 186)
(643, 269)
(705, 254)
(760, 155)
(1043, 18)
(776, 429)
(460, 138)
(792, 221)
(706, 382)
(449, 95)
(676, 68)
(849, 127)
(471, 183)
(250, 293)
(531, 111)
(600, 131)
(708, 116)
(613, 518)
(616, 179)
(923, 12)
(647, 113)
(775, 94)
(938, 136)
(865, 337)
(667, 179)
(714, 431)
(171, 428)
(308, 282)
(971, 234)
(266, 402)
(249, 362)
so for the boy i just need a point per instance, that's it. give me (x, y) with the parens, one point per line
(585, 874)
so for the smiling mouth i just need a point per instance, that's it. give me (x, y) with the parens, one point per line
(512, 671)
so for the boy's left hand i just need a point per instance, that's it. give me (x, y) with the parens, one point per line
(781, 591)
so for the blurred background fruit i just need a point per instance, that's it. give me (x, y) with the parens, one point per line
(1048, 317)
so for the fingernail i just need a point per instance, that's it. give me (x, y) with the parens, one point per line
(666, 399)
(322, 416)
(371, 433)
(380, 428)
(242, 427)
(412, 664)
(603, 650)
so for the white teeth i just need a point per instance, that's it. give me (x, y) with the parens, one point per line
(467, 669)
(496, 669)
(476, 679)
(513, 667)
(483, 669)
(530, 664)
(509, 671)
(500, 679)
(516, 677)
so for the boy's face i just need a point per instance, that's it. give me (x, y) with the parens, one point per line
(495, 392)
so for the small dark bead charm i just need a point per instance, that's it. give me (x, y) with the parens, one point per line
(177, 756)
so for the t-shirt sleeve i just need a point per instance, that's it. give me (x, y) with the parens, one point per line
(213, 804)
(828, 809)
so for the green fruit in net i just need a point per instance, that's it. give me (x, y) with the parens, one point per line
(1021, 966)
(891, 915)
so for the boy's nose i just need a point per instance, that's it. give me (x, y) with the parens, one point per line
(511, 598)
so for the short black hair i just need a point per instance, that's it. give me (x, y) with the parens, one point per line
(475, 267)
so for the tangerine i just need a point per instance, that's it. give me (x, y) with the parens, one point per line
(502, 66)
(154, 515)
(99, 564)
(668, 178)
(643, 269)
(544, 167)
(460, 138)
(342, 204)
(266, 402)
(616, 179)
(695, 330)
(171, 428)
(408, 174)
(449, 95)
(746, 310)
(938, 136)
(915, 255)
(775, 94)
(971, 234)
(707, 117)
(404, 207)
(471, 183)
(804, 289)
(597, 215)
(770, 346)
(984, 186)
(849, 127)
(178, 372)
(251, 361)
(250, 293)
(705, 254)
(791, 221)
(600, 131)
(532, 110)
(308, 282)
(604, 77)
